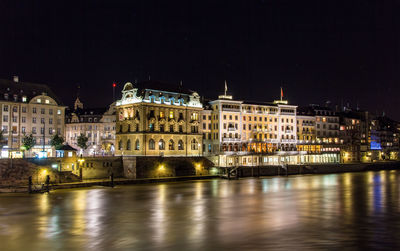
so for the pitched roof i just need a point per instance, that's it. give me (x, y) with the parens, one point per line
(30, 90)
(66, 148)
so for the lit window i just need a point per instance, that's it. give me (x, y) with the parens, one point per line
(58, 112)
(47, 101)
(171, 114)
(24, 99)
(39, 100)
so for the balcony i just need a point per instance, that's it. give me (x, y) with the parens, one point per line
(231, 140)
(231, 129)
(289, 141)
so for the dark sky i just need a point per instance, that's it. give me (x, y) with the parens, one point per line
(318, 50)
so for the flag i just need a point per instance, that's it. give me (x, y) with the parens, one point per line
(226, 87)
(281, 92)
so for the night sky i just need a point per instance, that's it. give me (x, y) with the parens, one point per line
(341, 51)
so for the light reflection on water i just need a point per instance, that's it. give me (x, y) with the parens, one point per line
(350, 210)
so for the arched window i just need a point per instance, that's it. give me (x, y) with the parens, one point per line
(171, 145)
(194, 145)
(128, 144)
(137, 145)
(120, 145)
(152, 144)
(161, 144)
(180, 145)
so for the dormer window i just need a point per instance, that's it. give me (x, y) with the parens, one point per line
(39, 100)
(5, 95)
(24, 99)
(15, 97)
(47, 101)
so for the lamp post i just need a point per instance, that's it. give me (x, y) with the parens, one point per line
(199, 149)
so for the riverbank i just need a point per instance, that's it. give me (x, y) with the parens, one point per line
(108, 183)
(242, 172)
(257, 171)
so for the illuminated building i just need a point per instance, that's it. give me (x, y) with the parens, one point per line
(384, 138)
(157, 119)
(29, 108)
(260, 133)
(98, 125)
(354, 135)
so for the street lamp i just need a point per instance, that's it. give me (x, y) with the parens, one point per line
(199, 148)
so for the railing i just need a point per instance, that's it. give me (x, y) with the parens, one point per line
(231, 139)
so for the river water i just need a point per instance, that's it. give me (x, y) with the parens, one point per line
(350, 210)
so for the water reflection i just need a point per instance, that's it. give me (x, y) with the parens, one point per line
(352, 210)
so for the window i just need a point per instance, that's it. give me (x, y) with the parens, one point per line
(58, 111)
(24, 109)
(34, 110)
(161, 114)
(195, 129)
(41, 130)
(180, 128)
(24, 99)
(137, 145)
(41, 120)
(23, 129)
(23, 119)
(152, 144)
(34, 120)
(180, 145)
(194, 145)
(51, 111)
(5, 129)
(151, 127)
(195, 116)
(50, 130)
(128, 144)
(33, 130)
(5, 118)
(171, 128)
(15, 109)
(171, 145)
(162, 128)
(39, 100)
(14, 119)
(171, 114)
(120, 145)
(47, 101)
(161, 144)
(5, 108)
(50, 121)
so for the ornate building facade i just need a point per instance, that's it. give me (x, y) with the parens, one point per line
(29, 108)
(157, 119)
(98, 125)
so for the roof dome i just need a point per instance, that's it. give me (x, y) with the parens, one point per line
(128, 86)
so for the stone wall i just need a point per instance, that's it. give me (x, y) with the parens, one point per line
(153, 167)
(16, 173)
(101, 167)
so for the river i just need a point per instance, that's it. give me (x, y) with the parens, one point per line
(349, 210)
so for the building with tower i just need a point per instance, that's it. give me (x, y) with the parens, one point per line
(97, 124)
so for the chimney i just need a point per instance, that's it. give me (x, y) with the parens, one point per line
(16, 79)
